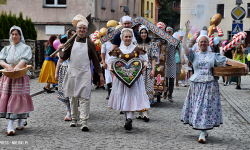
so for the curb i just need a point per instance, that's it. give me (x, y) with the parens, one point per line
(236, 108)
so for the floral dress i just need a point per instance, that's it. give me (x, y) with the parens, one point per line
(202, 106)
(152, 52)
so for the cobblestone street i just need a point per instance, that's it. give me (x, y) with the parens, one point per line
(47, 129)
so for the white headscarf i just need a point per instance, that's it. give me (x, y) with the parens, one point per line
(143, 27)
(19, 29)
(170, 28)
(203, 36)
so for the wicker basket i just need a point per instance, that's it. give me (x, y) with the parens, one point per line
(229, 71)
(13, 75)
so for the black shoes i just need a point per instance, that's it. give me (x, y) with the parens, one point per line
(48, 91)
(128, 124)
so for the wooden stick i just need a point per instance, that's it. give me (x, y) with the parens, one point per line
(69, 40)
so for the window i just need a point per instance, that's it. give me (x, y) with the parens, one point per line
(229, 35)
(174, 3)
(248, 10)
(142, 8)
(103, 5)
(200, 11)
(3, 2)
(54, 3)
(220, 9)
(134, 7)
(152, 10)
(112, 5)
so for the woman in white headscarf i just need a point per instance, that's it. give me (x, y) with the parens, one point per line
(148, 76)
(15, 99)
(202, 107)
(123, 98)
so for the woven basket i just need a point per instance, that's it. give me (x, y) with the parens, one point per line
(229, 71)
(13, 75)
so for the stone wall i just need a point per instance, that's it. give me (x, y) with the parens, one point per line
(32, 44)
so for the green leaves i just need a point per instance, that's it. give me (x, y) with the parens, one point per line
(7, 21)
(167, 14)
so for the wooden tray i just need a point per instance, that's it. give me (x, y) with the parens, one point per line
(13, 75)
(229, 71)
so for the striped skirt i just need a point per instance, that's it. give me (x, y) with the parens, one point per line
(15, 99)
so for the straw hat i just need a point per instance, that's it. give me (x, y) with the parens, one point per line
(13, 75)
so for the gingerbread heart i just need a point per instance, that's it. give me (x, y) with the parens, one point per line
(127, 71)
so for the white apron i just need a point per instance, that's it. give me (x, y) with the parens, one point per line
(108, 75)
(77, 82)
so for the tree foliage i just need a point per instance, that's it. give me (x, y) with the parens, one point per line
(168, 14)
(7, 21)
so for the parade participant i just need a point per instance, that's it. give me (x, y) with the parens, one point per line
(127, 22)
(239, 56)
(171, 67)
(15, 99)
(62, 67)
(77, 82)
(202, 106)
(106, 48)
(47, 74)
(123, 98)
(148, 76)
(229, 54)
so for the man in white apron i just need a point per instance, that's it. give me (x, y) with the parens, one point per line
(77, 82)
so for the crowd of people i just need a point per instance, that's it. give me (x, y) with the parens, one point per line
(72, 68)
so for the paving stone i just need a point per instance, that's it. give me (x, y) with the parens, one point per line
(48, 130)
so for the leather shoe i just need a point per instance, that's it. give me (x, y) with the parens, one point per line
(128, 124)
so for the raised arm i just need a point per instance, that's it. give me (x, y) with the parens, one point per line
(184, 41)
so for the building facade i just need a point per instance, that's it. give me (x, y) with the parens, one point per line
(106, 10)
(199, 13)
(55, 16)
(147, 10)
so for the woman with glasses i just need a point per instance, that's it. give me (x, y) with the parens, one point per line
(202, 106)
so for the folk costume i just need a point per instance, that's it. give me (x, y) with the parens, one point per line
(63, 68)
(47, 74)
(77, 82)
(123, 98)
(15, 99)
(151, 49)
(170, 69)
(202, 106)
